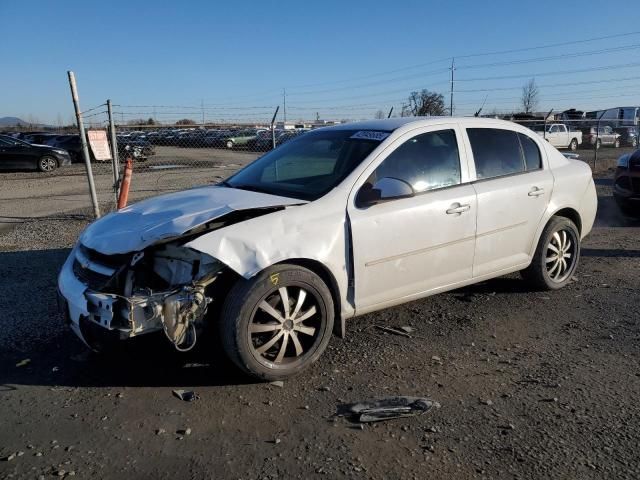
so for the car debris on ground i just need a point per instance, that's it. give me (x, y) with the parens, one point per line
(387, 408)
(186, 395)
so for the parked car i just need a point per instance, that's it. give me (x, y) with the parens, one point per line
(263, 141)
(16, 154)
(138, 148)
(216, 138)
(600, 136)
(558, 135)
(241, 138)
(626, 183)
(338, 222)
(39, 138)
(628, 135)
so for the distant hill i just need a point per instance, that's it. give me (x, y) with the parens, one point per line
(11, 121)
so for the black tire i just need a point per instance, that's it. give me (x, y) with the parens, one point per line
(241, 312)
(573, 145)
(47, 164)
(598, 144)
(634, 142)
(538, 273)
(616, 143)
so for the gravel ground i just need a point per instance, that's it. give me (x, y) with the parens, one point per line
(531, 384)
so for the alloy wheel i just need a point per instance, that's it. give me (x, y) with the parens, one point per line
(47, 164)
(561, 255)
(286, 326)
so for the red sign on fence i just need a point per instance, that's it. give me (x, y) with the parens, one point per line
(99, 144)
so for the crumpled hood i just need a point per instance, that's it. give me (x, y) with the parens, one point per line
(144, 223)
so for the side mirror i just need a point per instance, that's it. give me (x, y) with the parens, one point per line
(387, 188)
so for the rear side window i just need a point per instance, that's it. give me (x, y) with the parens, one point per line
(496, 152)
(532, 158)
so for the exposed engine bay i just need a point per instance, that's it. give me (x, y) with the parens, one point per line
(161, 288)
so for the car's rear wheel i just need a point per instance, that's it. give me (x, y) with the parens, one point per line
(634, 142)
(598, 144)
(556, 256)
(229, 144)
(573, 145)
(278, 323)
(616, 144)
(47, 164)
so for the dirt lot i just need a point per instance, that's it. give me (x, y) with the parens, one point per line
(33, 194)
(531, 384)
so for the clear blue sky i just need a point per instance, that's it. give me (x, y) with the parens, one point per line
(331, 56)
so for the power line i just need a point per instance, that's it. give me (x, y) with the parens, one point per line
(545, 74)
(480, 54)
(570, 84)
(552, 57)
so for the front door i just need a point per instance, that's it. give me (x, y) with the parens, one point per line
(406, 247)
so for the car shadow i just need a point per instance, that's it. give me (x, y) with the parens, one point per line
(36, 347)
(609, 215)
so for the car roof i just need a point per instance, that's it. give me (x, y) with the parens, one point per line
(391, 124)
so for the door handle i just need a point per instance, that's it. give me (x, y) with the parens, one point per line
(457, 209)
(536, 192)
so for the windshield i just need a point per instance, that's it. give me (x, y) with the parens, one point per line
(308, 166)
(14, 141)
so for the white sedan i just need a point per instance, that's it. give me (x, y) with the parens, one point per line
(338, 222)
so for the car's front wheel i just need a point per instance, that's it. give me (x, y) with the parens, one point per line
(616, 143)
(278, 323)
(556, 256)
(47, 164)
(229, 144)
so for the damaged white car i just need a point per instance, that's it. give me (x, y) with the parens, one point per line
(339, 222)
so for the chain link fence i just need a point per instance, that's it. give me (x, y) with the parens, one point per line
(177, 147)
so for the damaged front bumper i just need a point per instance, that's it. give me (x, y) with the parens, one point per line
(97, 317)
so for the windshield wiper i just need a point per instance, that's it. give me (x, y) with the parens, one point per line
(251, 188)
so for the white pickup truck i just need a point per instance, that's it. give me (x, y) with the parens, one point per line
(558, 135)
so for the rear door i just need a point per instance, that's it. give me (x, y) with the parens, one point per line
(513, 186)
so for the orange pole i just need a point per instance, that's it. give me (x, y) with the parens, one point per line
(126, 183)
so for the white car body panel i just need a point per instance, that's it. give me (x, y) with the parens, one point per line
(144, 223)
(380, 256)
(509, 211)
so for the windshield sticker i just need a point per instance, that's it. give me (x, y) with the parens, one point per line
(369, 135)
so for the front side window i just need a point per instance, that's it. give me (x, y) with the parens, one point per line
(426, 162)
(496, 152)
(308, 166)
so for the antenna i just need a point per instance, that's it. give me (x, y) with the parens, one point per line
(390, 112)
(477, 114)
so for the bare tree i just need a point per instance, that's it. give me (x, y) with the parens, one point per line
(380, 114)
(423, 103)
(530, 94)
(185, 121)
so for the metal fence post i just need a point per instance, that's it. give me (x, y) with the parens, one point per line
(114, 151)
(83, 143)
(595, 145)
(273, 131)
